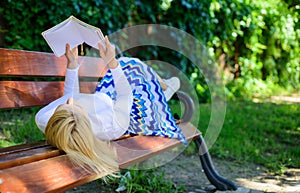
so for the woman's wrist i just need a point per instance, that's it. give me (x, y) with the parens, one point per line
(72, 65)
(113, 63)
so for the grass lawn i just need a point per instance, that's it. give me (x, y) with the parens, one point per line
(17, 126)
(262, 133)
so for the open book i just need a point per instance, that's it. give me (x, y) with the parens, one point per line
(74, 32)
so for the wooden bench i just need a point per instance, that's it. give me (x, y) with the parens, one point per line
(39, 167)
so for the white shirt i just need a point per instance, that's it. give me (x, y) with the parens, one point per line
(109, 119)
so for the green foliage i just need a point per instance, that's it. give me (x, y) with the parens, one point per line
(252, 41)
(272, 38)
(25, 20)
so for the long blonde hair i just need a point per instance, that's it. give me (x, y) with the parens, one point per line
(72, 133)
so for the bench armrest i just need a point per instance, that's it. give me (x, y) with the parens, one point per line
(188, 103)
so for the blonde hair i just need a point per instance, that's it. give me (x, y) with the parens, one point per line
(72, 133)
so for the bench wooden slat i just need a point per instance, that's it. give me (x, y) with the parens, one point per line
(28, 63)
(62, 175)
(56, 174)
(16, 94)
(40, 64)
(22, 147)
(140, 148)
(28, 156)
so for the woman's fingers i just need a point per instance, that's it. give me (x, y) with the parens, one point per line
(72, 57)
(101, 50)
(107, 41)
(67, 48)
(104, 52)
(107, 53)
(75, 51)
(109, 46)
(67, 51)
(71, 53)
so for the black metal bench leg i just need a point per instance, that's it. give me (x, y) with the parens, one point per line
(212, 175)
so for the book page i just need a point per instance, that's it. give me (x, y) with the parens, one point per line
(58, 39)
(73, 32)
(91, 39)
(89, 36)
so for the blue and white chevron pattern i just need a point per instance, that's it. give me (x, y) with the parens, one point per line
(150, 113)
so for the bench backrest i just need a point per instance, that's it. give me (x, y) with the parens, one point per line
(30, 79)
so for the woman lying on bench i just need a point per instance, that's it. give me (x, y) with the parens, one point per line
(128, 100)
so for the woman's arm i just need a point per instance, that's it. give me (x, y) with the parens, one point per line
(71, 85)
(124, 98)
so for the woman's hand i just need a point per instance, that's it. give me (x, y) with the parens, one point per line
(72, 57)
(109, 54)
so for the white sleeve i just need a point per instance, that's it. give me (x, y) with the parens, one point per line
(122, 105)
(43, 115)
(71, 85)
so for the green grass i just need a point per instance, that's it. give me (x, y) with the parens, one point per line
(17, 126)
(261, 133)
(146, 181)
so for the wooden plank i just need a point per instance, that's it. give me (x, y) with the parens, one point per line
(28, 63)
(16, 94)
(26, 153)
(140, 148)
(24, 157)
(57, 174)
(40, 64)
(22, 147)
